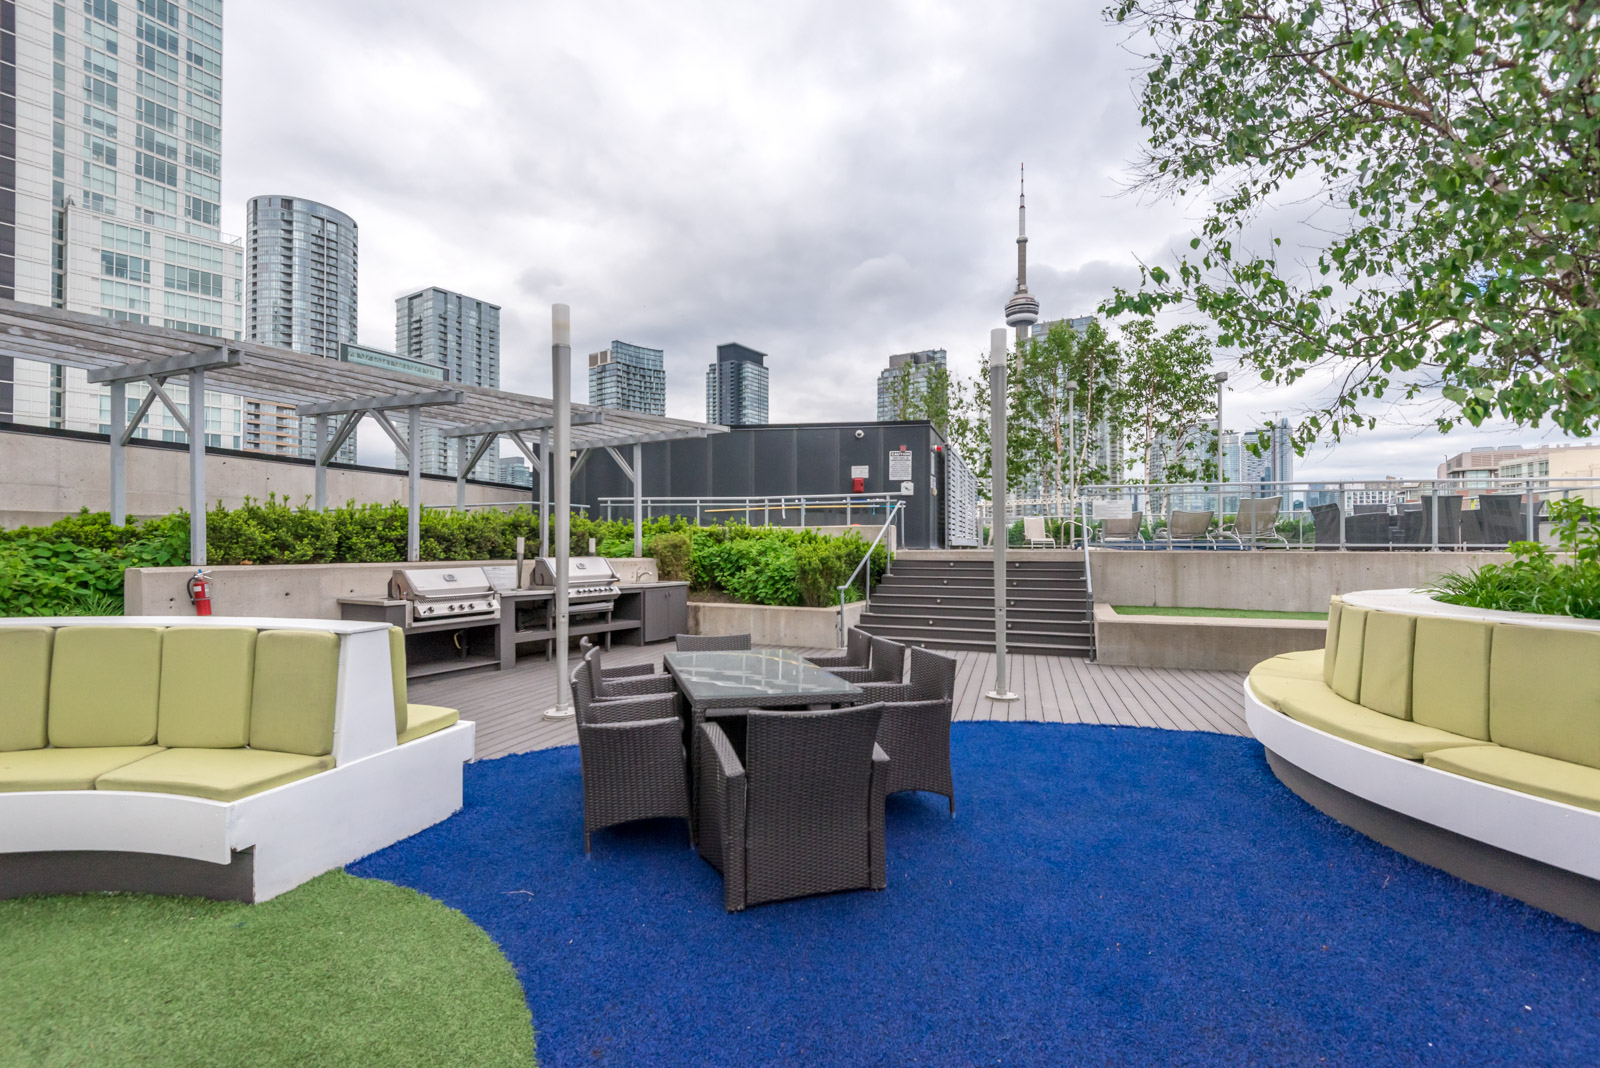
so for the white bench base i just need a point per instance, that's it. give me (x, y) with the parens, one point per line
(285, 836)
(1542, 852)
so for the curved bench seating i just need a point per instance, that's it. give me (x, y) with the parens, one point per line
(1467, 739)
(227, 758)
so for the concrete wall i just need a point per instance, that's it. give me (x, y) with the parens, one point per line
(797, 628)
(46, 476)
(1274, 580)
(1213, 644)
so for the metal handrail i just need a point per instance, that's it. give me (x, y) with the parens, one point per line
(866, 595)
(751, 505)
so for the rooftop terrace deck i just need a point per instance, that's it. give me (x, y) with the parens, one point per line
(507, 705)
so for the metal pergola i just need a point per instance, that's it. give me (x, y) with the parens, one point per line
(321, 390)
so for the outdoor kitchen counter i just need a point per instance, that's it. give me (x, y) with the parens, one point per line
(643, 612)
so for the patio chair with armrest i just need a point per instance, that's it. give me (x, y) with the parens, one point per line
(1257, 520)
(857, 652)
(915, 728)
(632, 757)
(888, 664)
(800, 810)
(1188, 526)
(713, 643)
(1035, 534)
(635, 680)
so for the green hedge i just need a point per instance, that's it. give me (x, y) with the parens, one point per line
(74, 566)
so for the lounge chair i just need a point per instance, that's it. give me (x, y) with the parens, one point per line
(1257, 520)
(1035, 534)
(1129, 529)
(1188, 526)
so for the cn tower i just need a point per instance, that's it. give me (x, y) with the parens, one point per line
(1022, 310)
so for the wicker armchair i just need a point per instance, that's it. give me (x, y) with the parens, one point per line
(915, 728)
(801, 812)
(612, 683)
(631, 751)
(888, 664)
(713, 643)
(857, 652)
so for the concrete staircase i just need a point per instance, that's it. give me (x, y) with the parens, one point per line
(945, 601)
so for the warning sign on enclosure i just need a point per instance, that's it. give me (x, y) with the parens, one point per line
(900, 465)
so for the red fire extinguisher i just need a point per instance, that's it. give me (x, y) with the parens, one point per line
(200, 592)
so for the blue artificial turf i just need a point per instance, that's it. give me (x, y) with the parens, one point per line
(1105, 896)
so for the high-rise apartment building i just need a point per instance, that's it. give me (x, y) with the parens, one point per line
(300, 294)
(457, 333)
(110, 191)
(736, 387)
(903, 383)
(630, 377)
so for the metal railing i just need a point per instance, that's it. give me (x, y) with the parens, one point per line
(1419, 515)
(813, 509)
(866, 562)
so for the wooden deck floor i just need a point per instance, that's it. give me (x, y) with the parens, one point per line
(508, 706)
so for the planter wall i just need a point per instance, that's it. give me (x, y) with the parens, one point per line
(768, 626)
(1207, 643)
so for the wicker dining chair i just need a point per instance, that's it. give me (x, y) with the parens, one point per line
(713, 643)
(632, 756)
(633, 681)
(915, 728)
(888, 664)
(800, 811)
(857, 652)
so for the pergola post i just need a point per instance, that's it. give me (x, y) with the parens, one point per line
(558, 464)
(119, 455)
(544, 492)
(461, 474)
(319, 439)
(197, 467)
(638, 500)
(414, 484)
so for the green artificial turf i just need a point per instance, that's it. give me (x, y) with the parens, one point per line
(1229, 613)
(342, 971)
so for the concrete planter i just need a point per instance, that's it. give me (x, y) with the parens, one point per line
(769, 626)
(1215, 643)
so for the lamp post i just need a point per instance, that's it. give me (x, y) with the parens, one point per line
(1221, 379)
(997, 498)
(558, 470)
(1072, 456)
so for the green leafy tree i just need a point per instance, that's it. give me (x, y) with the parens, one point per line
(1043, 408)
(1168, 395)
(1455, 147)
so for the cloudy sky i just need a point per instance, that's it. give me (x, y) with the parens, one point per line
(827, 182)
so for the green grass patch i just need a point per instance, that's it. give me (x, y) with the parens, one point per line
(1226, 613)
(339, 971)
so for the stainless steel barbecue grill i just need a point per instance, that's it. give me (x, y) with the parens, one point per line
(591, 583)
(445, 595)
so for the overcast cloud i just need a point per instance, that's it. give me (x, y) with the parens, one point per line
(826, 182)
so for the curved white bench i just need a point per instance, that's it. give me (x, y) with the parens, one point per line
(258, 846)
(1539, 850)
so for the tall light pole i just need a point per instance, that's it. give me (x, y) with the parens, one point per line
(1221, 378)
(1072, 457)
(997, 498)
(558, 469)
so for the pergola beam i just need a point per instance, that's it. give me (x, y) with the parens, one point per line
(380, 404)
(210, 360)
(512, 426)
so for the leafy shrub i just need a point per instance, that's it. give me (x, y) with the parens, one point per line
(671, 551)
(1537, 580)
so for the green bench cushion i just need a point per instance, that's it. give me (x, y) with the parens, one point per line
(24, 686)
(1347, 665)
(1386, 663)
(1450, 675)
(104, 686)
(296, 687)
(206, 678)
(397, 674)
(1305, 664)
(1544, 692)
(1559, 780)
(218, 774)
(425, 719)
(1330, 652)
(1315, 705)
(66, 769)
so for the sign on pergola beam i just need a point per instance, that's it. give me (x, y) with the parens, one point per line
(380, 404)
